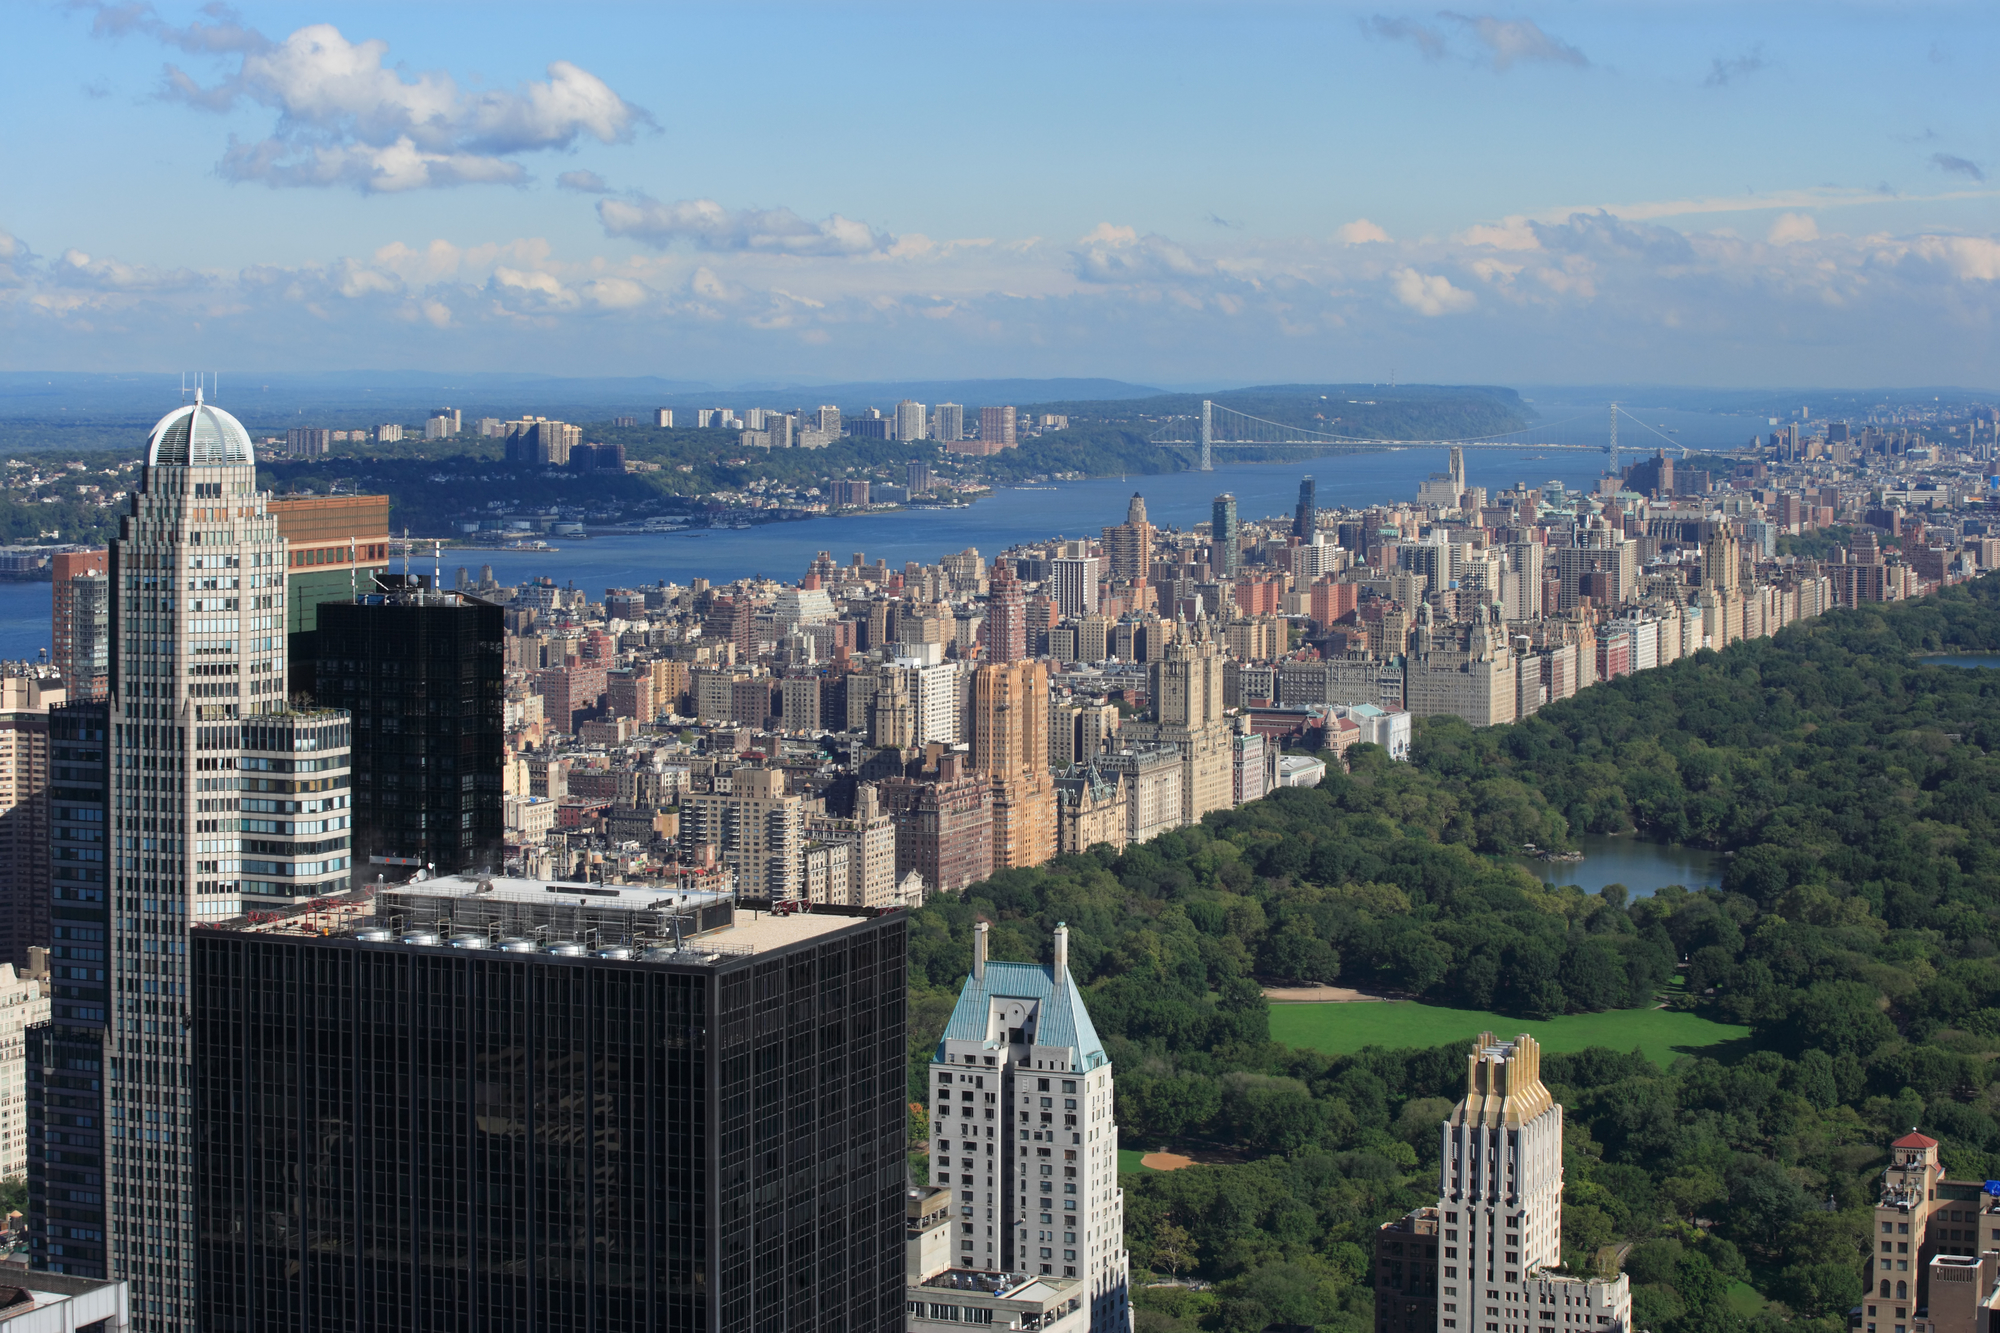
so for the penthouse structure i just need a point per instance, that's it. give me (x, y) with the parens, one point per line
(563, 1106)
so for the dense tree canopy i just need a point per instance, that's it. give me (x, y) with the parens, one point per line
(1855, 792)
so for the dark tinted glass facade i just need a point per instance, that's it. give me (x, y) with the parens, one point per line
(66, 1129)
(402, 1137)
(422, 674)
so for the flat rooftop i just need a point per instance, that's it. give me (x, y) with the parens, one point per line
(1003, 1286)
(649, 922)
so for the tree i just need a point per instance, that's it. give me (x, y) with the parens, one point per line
(1173, 1248)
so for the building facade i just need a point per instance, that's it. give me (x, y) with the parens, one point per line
(629, 1116)
(25, 829)
(80, 621)
(1022, 1130)
(420, 672)
(198, 658)
(1500, 1192)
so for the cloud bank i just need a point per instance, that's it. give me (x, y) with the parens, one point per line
(347, 119)
(1585, 296)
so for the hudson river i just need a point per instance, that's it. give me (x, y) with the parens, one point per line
(1005, 518)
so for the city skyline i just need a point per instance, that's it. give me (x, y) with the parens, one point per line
(1548, 194)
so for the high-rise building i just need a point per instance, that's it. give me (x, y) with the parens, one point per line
(80, 621)
(540, 442)
(24, 1002)
(420, 672)
(917, 476)
(948, 422)
(204, 752)
(1035, 1171)
(911, 423)
(996, 426)
(1130, 544)
(1406, 1266)
(1500, 1194)
(757, 829)
(1222, 537)
(68, 1140)
(1073, 581)
(560, 1106)
(25, 773)
(828, 420)
(1006, 615)
(663, 418)
(1305, 518)
(1010, 748)
(335, 545)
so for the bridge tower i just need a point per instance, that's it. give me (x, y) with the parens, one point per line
(1207, 434)
(1612, 448)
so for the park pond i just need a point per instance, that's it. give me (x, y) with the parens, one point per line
(1966, 660)
(1642, 867)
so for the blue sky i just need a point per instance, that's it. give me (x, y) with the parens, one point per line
(1679, 193)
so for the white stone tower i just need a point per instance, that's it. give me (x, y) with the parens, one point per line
(1022, 1132)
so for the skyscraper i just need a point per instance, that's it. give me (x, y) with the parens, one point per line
(1035, 1168)
(25, 771)
(1222, 536)
(996, 426)
(911, 423)
(1500, 1188)
(1006, 615)
(1073, 581)
(80, 622)
(1305, 518)
(948, 422)
(67, 1135)
(1010, 748)
(198, 722)
(559, 1106)
(420, 672)
(1130, 544)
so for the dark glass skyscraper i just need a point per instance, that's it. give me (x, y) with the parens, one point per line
(1306, 517)
(511, 1107)
(66, 1147)
(1222, 536)
(421, 671)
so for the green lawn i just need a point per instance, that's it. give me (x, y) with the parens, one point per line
(1744, 1300)
(1128, 1160)
(1339, 1029)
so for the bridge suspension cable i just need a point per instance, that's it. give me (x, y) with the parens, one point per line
(1219, 427)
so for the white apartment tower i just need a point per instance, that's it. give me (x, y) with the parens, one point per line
(1022, 1133)
(198, 710)
(1500, 1184)
(911, 421)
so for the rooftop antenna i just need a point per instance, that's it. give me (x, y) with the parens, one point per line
(437, 564)
(406, 556)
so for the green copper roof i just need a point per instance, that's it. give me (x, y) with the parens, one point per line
(1062, 1018)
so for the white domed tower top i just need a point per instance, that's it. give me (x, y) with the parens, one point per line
(199, 435)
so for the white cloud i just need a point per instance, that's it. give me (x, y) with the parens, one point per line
(347, 119)
(1114, 254)
(710, 226)
(1588, 297)
(583, 182)
(1429, 293)
(1483, 39)
(1360, 232)
(1509, 42)
(1789, 228)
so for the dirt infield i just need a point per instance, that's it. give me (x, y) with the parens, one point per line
(1165, 1161)
(1322, 995)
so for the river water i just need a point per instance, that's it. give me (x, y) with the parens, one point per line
(1006, 518)
(1965, 660)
